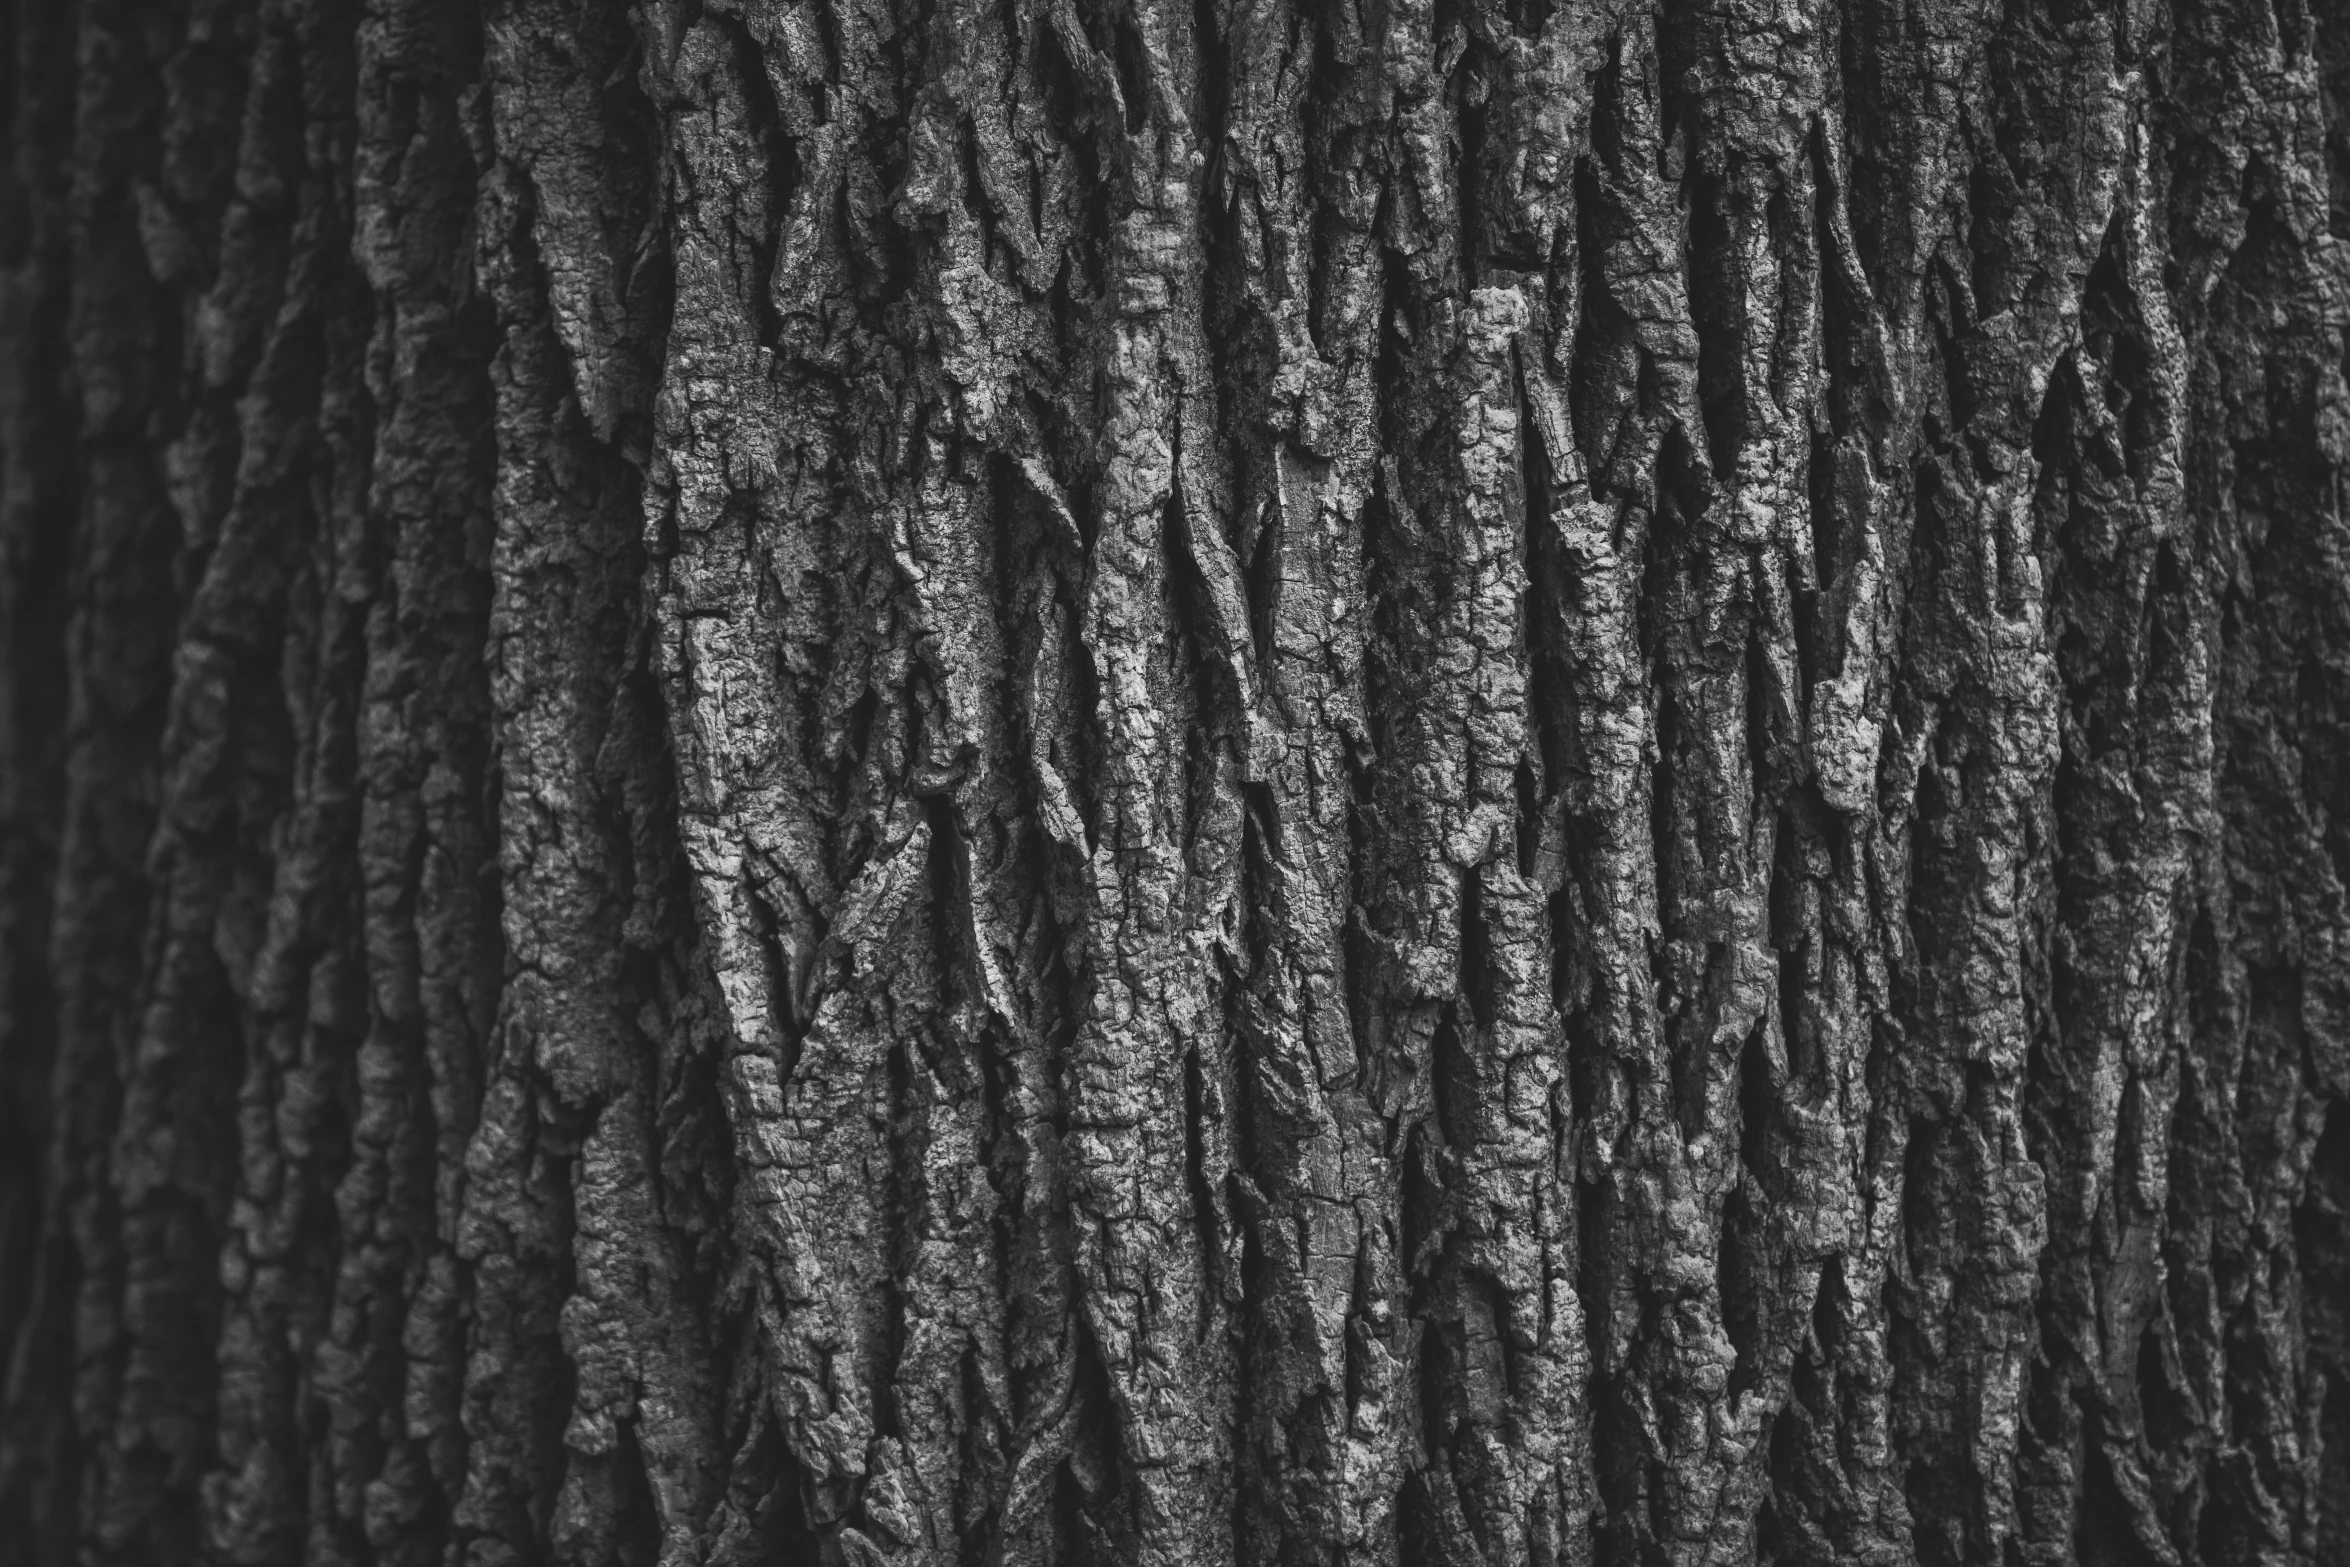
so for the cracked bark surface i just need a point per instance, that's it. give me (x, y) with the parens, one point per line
(1060, 782)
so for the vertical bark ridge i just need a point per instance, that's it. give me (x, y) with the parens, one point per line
(590, 1406)
(145, 1215)
(1321, 1444)
(389, 1360)
(261, 822)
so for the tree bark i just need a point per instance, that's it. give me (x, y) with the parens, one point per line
(1251, 784)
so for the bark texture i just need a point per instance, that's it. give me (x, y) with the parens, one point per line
(1250, 783)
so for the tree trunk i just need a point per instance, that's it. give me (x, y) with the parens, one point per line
(1062, 782)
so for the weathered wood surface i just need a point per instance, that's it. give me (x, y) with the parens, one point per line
(1056, 782)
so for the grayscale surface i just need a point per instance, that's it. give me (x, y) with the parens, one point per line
(1247, 783)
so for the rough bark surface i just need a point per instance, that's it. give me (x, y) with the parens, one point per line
(908, 783)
